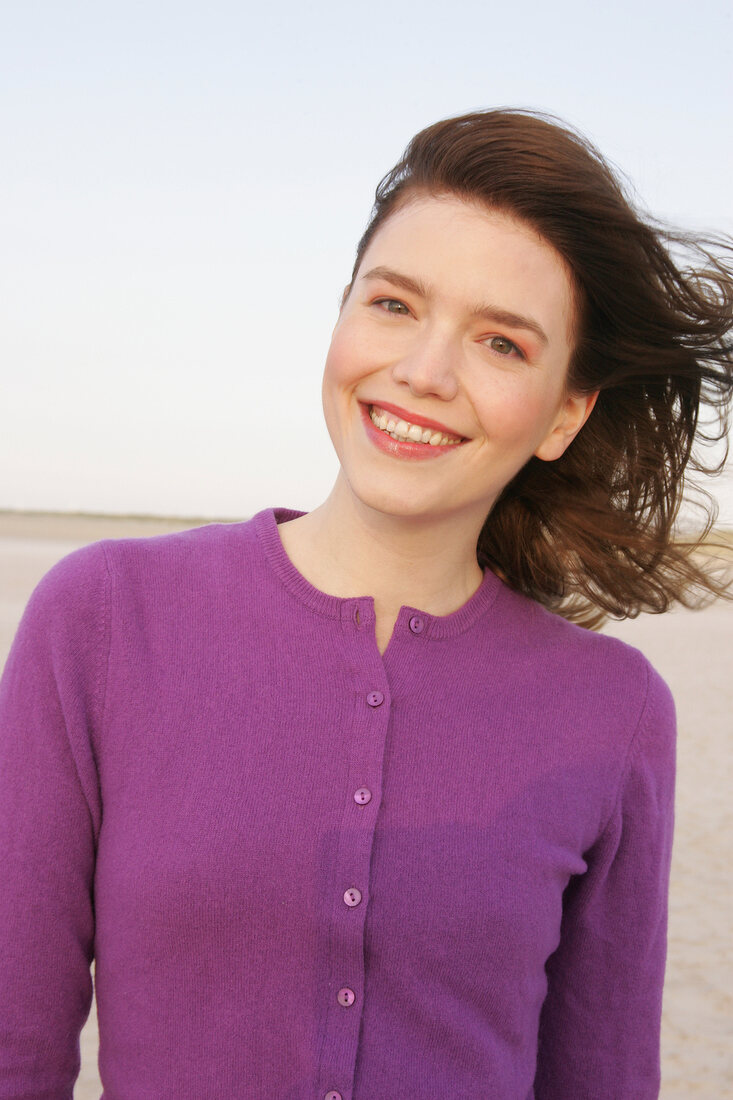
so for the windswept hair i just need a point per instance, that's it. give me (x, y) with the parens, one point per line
(593, 533)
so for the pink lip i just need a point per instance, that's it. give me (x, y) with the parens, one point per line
(395, 447)
(420, 421)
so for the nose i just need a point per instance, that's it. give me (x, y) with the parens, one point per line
(429, 367)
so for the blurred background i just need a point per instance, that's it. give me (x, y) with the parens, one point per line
(184, 185)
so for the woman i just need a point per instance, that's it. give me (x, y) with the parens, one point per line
(339, 806)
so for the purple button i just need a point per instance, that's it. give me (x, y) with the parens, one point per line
(346, 996)
(375, 698)
(362, 796)
(333, 1095)
(352, 897)
(417, 625)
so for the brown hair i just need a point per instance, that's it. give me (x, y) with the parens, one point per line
(592, 533)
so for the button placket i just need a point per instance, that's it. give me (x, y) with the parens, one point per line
(371, 717)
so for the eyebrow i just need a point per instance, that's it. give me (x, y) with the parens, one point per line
(487, 312)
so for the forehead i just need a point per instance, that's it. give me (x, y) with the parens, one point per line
(467, 253)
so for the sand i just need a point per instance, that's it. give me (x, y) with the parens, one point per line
(693, 651)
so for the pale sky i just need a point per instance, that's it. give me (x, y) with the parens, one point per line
(184, 186)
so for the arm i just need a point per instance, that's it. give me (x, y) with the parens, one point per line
(51, 697)
(600, 1022)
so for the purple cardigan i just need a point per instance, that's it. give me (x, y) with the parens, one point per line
(310, 872)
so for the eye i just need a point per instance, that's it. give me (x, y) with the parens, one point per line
(502, 346)
(392, 305)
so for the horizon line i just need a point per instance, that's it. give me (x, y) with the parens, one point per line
(40, 513)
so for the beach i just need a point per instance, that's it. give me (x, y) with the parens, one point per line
(692, 650)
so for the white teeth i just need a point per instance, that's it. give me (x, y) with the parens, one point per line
(410, 433)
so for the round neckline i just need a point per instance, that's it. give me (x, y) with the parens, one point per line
(339, 607)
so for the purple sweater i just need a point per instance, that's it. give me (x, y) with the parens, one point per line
(310, 872)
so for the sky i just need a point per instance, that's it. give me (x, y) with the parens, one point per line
(184, 185)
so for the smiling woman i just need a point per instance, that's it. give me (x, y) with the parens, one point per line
(338, 805)
(593, 534)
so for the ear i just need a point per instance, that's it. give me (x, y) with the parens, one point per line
(571, 417)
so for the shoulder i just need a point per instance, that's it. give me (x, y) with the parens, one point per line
(607, 673)
(198, 546)
(81, 585)
(544, 632)
(75, 587)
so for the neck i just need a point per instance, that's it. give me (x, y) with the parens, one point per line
(348, 549)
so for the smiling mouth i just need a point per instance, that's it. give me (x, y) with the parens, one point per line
(405, 432)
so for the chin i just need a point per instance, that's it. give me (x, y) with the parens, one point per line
(393, 502)
(401, 503)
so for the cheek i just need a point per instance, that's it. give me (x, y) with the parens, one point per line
(517, 412)
(331, 376)
(340, 374)
(327, 394)
(341, 367)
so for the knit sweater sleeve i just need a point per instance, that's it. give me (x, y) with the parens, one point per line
(599, 1033)
(51, 699)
